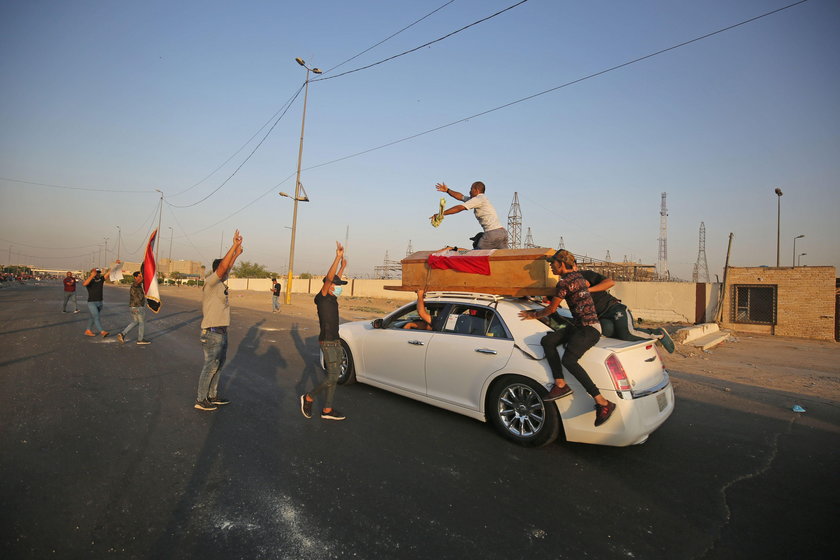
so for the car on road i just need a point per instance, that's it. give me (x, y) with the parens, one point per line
(481, 360)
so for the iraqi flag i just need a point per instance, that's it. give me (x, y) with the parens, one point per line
(150, 282)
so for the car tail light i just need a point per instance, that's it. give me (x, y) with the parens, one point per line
(619, 377)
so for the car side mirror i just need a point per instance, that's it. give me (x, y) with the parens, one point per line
(377, 323)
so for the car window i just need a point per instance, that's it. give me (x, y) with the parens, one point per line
(410, 315)
(475, 321)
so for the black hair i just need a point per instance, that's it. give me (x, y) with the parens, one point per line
(216, 264)
(136, 274)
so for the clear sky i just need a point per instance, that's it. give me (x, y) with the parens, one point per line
(117, 99)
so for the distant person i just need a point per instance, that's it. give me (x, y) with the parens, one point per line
(137, 308)
(275, 295)
(425, 321)
(94, 284)
(70, 292)
(215, 308)
(493, 236)
(326, 302)
(585, 334)
(616, 319)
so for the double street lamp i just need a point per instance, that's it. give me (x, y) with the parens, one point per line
(297, 198)
(794, 248)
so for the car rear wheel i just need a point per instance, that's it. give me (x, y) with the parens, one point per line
(348, 370)
(516, 408)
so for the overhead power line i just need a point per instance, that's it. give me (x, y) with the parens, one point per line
(423, 45)
(561, 86)
(412, 24)
(235, 171)
(94, 189)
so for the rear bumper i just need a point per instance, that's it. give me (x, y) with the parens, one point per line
(632, 422)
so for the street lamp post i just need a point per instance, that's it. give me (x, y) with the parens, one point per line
(288, 298)
(779, 193)
(799, 260)
(119, 239)
(794, 249)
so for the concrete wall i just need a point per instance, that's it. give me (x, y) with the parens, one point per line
(668, 301)
(650, 301)
(805, 297)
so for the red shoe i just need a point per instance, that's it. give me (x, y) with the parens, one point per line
(89, 333)
(103, 333)
(558, 393)
(603, 413)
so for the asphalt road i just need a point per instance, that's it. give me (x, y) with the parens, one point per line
(102, 455)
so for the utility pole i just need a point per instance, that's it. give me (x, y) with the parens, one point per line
(662, 262)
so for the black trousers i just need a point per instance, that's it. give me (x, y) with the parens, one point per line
(578, 341)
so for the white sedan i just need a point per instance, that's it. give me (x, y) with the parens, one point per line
(483, 361)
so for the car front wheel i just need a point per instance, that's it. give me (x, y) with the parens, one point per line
(516, 408)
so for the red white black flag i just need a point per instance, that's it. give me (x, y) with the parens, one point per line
(150, 282)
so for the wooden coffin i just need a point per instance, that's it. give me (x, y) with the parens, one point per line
(513, 272)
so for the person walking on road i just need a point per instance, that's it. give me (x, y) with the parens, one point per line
(70, 292)
(585, 334)
(493, 236)
(275, 295)
(215, 308)
(327, 303)
(137, 307)
(94, 283)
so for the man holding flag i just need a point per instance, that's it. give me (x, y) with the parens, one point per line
(214, 325)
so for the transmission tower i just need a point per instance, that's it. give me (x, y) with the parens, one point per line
(410, 249)
(529, 240)
(701, 268)
(662, 263)
(561, 245)
(515, 224)
(608, 258)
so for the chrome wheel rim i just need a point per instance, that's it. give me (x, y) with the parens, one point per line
(521, 410)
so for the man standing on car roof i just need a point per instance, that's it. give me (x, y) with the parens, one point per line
(327, 303)
(494, 235)
(616, 320)
(575, 290)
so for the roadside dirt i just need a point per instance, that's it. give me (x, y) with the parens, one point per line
(793, 365)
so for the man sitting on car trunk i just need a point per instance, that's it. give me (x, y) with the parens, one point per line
(575, 289)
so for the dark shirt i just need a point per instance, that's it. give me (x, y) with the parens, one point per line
(276, 288)
(94, 288)
(327, 316)
(136, 296)
(603, 300)
(69, 284)
(574, 289)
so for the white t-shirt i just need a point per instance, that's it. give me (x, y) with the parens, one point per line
(484, 212)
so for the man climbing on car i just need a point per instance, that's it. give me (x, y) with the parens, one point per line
(575, 290)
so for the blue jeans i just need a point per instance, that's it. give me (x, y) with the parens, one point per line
(215, 352)
(95, 308)
(67, 297)
(333, 354)
(275, 302)
(138, 317)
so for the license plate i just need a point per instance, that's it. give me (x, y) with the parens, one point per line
(662, 400)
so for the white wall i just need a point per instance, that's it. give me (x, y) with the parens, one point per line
(651, 301)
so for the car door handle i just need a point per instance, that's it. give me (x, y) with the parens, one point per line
(416, 342)
(486, 351)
